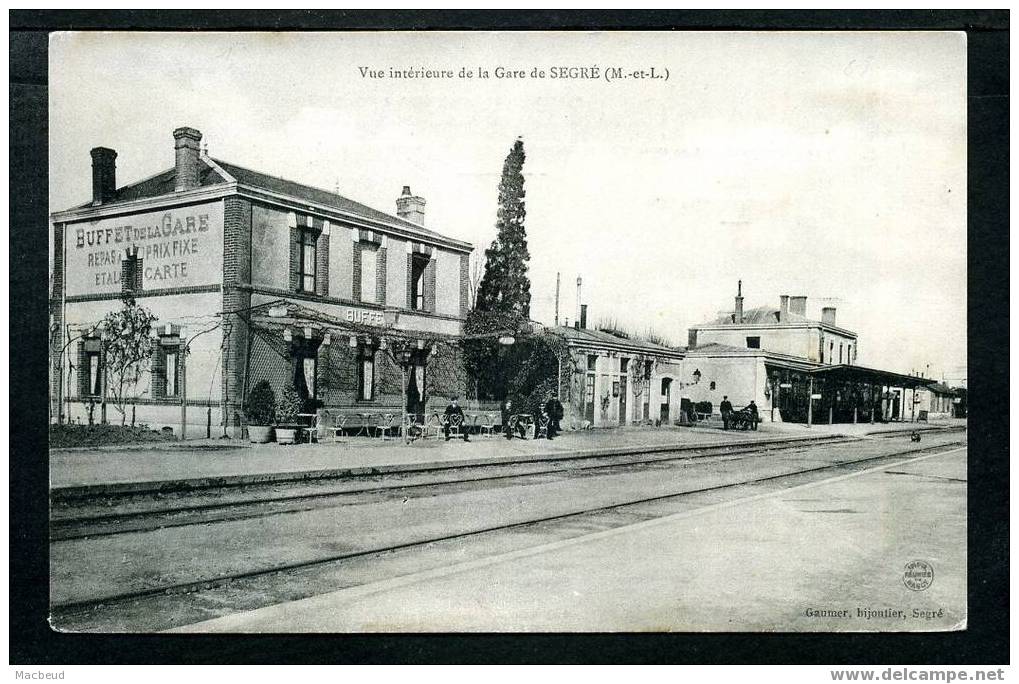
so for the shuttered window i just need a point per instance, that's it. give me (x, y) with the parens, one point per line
(90, 372)
(419, 263)
(308, 252)
(172, 370)
(369, 275)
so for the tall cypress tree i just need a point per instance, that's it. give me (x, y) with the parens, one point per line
(504, 296)
(505, 288)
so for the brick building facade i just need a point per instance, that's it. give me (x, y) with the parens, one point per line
(257, 277)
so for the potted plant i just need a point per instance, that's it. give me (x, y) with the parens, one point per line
(289, 406)
(260, 412)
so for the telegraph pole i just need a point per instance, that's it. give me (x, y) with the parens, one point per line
(557, 299)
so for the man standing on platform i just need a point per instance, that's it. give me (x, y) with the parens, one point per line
(554, 408)
(726, 408)
(755, 417)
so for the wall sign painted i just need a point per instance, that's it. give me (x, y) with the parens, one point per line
(177, 247)
(365, 316)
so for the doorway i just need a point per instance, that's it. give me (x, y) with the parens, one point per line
(666, 400)
(416, 391)
(589, 398)
(622, 400)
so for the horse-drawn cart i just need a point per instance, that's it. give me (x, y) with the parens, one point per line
(742, 419)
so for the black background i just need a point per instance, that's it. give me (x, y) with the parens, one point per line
(984, 641)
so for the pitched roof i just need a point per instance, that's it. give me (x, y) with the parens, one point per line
(163, 184)
(318, 196)
(762, 315)
(600, 337)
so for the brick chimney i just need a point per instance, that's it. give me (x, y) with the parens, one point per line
(798, 305)
(783, 308)
(691, 338)
(583, 316)
(187, 149)
(828, 315)
(104, 174)
(410, 207)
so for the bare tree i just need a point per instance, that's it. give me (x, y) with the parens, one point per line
(641, 369)
(474, 280)
(127, 348)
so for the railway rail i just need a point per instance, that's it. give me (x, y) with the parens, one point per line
(65, 525)
(785, 478)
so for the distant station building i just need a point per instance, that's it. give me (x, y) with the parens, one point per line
(796, 369)
(253, 277)
(613, 380)
(937, 400)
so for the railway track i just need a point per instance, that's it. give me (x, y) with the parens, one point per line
(66, 526)
(62, 610)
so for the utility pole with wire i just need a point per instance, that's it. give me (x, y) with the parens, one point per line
(557, 299)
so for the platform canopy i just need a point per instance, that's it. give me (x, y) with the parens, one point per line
(873, 376)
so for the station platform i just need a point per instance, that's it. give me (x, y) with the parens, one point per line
(206, 463)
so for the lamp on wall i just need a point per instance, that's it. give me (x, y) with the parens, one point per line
(696, 375)
(353, 341)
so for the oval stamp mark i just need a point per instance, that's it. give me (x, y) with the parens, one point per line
(918, 575)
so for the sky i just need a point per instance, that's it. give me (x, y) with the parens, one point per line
(830, 165)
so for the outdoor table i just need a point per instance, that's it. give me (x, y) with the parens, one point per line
(309, 422)
(366, 421)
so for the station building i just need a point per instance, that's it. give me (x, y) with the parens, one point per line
(938, 400)
(252, 277)
(796, 369)
(612, 380)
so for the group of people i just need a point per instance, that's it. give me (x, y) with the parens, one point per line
(726, 409)
(550, 414)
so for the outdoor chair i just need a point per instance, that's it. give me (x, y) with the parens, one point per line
(339, 426)
(456, 425)
(316, 426)
(384, 425)
(410, 428)
(434, 424)
(488, 425)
